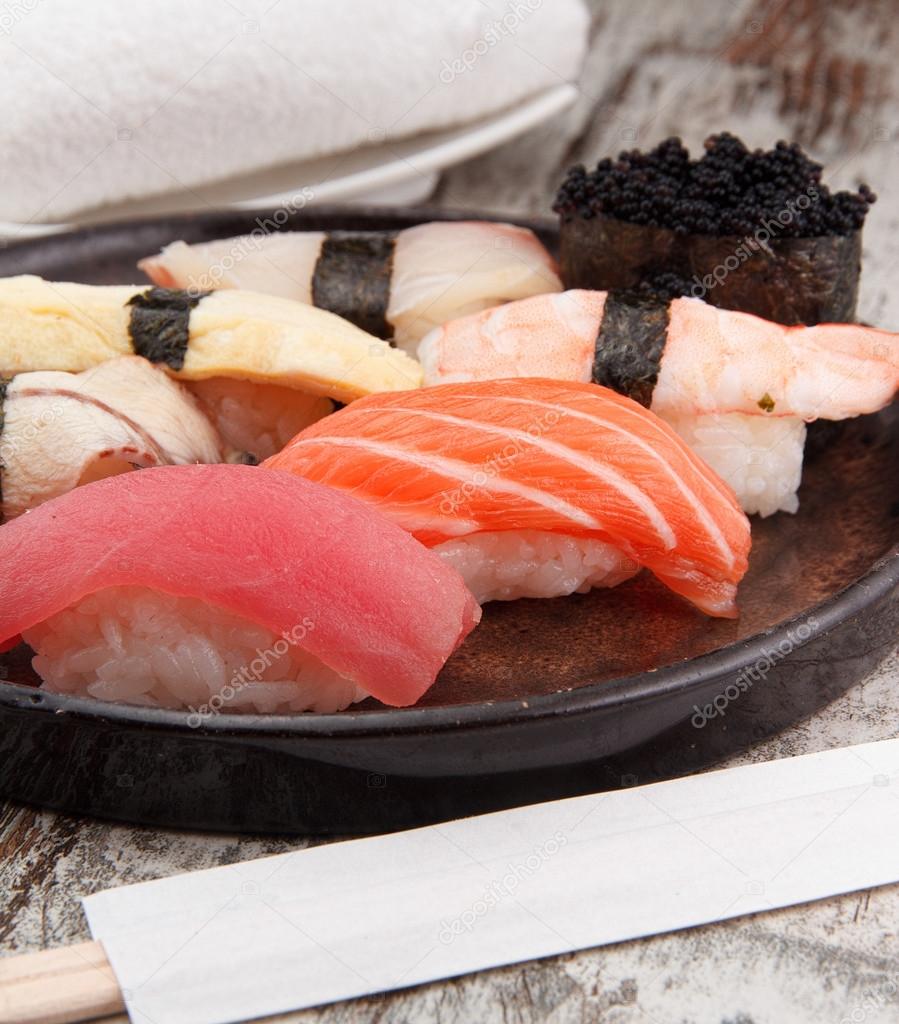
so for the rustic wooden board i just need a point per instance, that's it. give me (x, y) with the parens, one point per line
(826, 75)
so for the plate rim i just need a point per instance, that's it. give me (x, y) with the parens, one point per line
(872, 586)
(682, 676)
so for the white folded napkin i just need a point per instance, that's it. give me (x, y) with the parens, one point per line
(107, 103)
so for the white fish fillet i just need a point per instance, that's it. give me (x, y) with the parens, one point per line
(61, 430)
(446, 270)
(440, 270)
(277, 264)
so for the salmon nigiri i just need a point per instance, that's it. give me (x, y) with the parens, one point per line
(536, 488)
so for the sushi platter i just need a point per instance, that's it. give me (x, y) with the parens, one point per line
(341, 601)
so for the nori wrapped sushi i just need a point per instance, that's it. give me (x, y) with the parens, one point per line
(751, 231)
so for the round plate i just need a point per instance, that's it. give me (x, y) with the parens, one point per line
(545, 699)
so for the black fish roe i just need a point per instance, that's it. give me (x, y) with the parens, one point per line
(655, 288)
(730, 190)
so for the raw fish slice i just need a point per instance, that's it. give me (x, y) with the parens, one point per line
(563, 458)
(279, 263)
(392, 284)
(59, 430)
(447, 270)
(281, 552)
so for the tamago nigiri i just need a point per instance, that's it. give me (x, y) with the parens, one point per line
(262, 366)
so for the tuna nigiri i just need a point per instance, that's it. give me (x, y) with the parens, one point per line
(60, 430)
(738, 388)
(393, 284)
(536, 488)
(227, 587)
(252, 340)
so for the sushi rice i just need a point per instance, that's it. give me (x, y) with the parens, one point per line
(759, 457)
(258, 418)
(146, 647)
(507, 565)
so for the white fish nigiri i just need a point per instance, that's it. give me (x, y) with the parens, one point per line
(60, 430)
(394, 284)
(738, 388)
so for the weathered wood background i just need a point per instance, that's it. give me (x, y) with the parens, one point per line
(827, 75)
(823, 74)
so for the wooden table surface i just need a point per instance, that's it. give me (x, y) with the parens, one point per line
(827, 76)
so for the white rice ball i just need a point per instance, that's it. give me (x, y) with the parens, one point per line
(760, 457)
(506, 565)
(258, 418)
(141, 646)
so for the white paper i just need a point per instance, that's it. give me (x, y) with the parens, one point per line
(369, 915)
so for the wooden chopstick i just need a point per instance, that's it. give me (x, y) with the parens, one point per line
(59, 986)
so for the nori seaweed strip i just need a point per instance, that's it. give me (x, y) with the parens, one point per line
(629, 346)
(160, 324)
(4, 384)
(352, 278)
(751, 230)
(789, 280)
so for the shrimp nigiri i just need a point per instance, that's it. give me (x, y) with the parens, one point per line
(737, 388)
(536, 488)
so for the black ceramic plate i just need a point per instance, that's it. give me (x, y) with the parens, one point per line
(545, 699)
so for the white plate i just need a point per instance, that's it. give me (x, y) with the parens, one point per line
(402, 171)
